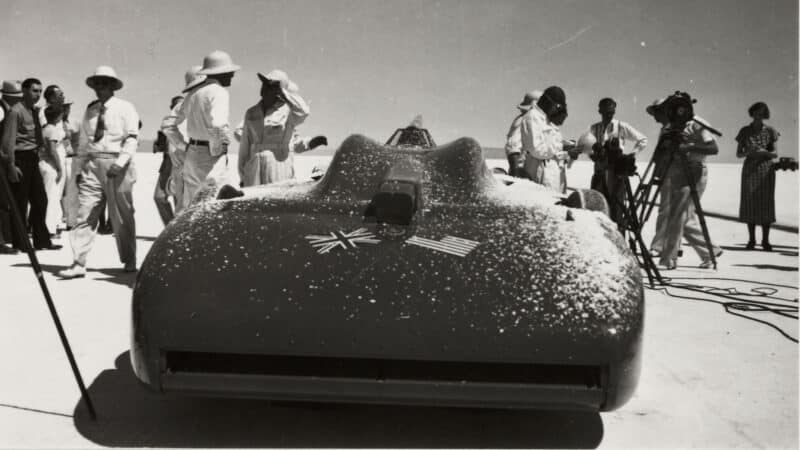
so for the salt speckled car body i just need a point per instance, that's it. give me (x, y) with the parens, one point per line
(546, 288)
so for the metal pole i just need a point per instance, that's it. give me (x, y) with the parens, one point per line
(20, 226)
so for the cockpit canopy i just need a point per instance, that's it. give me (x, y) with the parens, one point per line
(412, 136)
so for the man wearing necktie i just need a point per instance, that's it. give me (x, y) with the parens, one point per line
(108, 141)
(22, 141)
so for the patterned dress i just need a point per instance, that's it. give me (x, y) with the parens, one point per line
(757, 201)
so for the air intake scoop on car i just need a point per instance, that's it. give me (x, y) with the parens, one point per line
(450, 173)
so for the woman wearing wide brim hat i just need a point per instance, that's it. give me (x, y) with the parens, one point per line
(107, 74)
(269, 136)
(218, 63)
(280, 77)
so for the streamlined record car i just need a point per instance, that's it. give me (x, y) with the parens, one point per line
(407, 274)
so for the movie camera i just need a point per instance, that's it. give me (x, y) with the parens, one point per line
(610, 152)
(785, 163)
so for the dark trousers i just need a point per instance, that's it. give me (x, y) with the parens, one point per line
(30, 190)
(5, 214)
(613, 189)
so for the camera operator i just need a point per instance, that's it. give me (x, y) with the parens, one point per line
(546, 155)
(611, 135)
(696, 142)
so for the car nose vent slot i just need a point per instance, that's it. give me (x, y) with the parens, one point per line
(584, 376)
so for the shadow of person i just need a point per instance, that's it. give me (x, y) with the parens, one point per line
(783, 250)
(112, 275)
(129, 415)
(770, 267)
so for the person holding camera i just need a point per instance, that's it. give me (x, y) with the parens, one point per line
(756, 143)
(611, 136)
(693, 141)
(547, 154)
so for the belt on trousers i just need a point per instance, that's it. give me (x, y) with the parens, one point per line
(198, 142)
(100, 155)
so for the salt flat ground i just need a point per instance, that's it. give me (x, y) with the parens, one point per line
(709, 378)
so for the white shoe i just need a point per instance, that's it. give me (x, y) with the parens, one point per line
(76, 271)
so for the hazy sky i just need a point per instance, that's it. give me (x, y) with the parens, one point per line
(370, 66)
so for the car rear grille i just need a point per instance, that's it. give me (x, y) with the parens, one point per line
(383, 369)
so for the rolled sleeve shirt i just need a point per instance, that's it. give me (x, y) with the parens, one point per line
(120, 135)
(697, 134)
(206, 112)
(621, 130)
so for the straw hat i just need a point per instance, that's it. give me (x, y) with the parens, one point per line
(11, 88)
(281, 77)
(218, 62)
(193, 78)
(104, 72)
(529, 100)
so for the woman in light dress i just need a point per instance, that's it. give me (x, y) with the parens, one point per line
(269, 137)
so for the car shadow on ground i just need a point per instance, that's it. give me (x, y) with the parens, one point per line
(112, 275)
(131, 416)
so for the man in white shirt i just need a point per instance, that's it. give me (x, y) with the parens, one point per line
(546, 158)
(205, 110)
(108, 140)
(178, 142)
(604, 178)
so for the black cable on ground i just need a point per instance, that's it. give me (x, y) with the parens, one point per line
(732, 304)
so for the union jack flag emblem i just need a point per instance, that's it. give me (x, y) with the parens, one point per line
(449, 244)
(326, 243)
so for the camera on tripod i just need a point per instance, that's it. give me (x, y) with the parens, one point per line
(611, 153)
(785, 163)
(679, 109)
